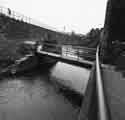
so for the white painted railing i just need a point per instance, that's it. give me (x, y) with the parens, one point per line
(18, 16)
(13, 14)
(69, 50)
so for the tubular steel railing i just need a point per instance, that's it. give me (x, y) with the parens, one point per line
(102, 108)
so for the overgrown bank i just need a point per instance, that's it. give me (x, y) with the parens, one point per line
(14, 32)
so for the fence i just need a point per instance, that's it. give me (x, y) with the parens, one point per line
(18, 16)
(13, 14)
(70, 51)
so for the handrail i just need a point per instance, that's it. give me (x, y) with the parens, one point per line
(73, 46)
(80, 53)
(102, 113)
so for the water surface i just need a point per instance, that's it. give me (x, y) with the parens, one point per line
(33, 96)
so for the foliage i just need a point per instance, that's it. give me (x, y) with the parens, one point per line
(24, 49)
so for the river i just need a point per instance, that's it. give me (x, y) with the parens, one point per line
(37, 95)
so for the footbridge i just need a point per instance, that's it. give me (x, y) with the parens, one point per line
(77, 55)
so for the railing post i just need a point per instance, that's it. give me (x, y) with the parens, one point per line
(1, 10)
(78, 54)
(66, 50)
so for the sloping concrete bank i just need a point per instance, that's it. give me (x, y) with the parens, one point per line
(88, 109)
(22, 65)
(72, 95)
(69, 84)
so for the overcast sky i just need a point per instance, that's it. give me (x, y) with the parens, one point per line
(77, 15)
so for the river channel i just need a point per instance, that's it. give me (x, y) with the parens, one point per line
(38, 94)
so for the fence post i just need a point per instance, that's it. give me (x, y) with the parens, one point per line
(78, 54)
(1, 9)
(66, 50)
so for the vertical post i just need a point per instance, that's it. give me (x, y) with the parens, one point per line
(1, 11)
(61, 51)
(13, 14)
(78, 54)
(66, 51)
(29, 20)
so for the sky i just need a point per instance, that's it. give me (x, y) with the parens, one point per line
(64, 15)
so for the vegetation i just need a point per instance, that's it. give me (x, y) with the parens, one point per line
(91, 39)
(14, 32)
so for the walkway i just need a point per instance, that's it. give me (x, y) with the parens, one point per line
(114, 86)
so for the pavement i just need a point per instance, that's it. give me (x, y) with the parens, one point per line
(114, 87)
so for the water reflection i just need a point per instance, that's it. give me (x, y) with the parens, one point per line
(71, 76)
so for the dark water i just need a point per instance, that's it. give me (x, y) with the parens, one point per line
(36, 96)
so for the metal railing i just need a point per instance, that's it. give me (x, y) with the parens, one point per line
(18, 16)
(68, 50)
(13, 14)
(102, 108)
